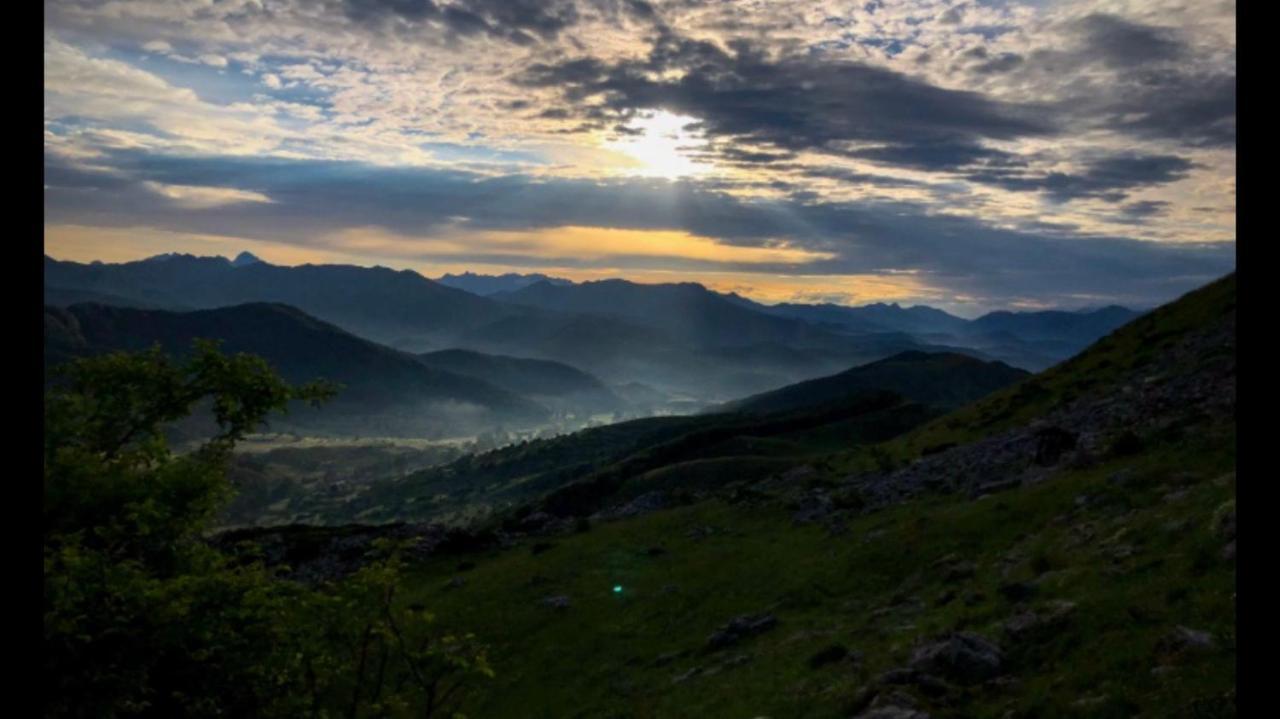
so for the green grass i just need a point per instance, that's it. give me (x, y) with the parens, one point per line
(597, 658)
(1097, 370)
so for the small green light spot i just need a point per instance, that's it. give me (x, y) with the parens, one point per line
(617, 589)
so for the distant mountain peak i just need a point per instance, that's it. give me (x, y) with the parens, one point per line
(497, 284)
(164, 257)
(246, 258)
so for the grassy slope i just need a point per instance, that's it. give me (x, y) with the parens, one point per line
(943, 379)
(596, 658)
(1138, 557)
(587, 470)
(1098, 369)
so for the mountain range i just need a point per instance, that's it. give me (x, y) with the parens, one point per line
(685, 345)
(383, 391)
(493, 284)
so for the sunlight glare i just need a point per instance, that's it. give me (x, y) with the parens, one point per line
(662, 146)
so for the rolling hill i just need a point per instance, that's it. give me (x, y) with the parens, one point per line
(384, 391)
(939, 379)
(553, 384)
(686, 311)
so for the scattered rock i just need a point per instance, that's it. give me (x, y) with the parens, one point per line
(1224, 521)
(535, 522)
(455, 583)
(558, 601)
(1036, 625)
(1121, 552)
(997, 486)
(892, 712)
(1182, 641)
(962, 657)
(928, 684)
(959, 572)
(669, 657)
(739, 628)
(686, 676)
(813, 507)
(1091, 703)
(1052, 443)
(1121, 477)
(1229, 551)
(796, 474)
(644, 504)
(700, 532)
(892, 705)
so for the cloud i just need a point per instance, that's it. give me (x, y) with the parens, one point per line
(1106, 178)
(790, 103)
(981, 146)
(523, 22)
(1123, 44)
(198, 197)
(420, 215)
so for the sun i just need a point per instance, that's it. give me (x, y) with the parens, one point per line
(661, 144)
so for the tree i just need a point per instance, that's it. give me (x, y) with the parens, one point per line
(143, 618)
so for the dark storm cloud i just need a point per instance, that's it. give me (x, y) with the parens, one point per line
(1106, 178)
(310, 198)
(1142, 80)
(938, 155)
(982, 62)
(1120, 43)
(790, 103)
(1137, 213)
(1199, 110)
(519, 21)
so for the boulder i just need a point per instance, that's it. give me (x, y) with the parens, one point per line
(1052, 443)
(558, 601)
(1181, 641)
(1039, 624)
(962, 657)
(892, 712)
(739, 628)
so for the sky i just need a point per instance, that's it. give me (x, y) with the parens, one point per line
(969, 155)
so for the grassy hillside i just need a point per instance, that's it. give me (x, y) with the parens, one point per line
(942, 379)
(593, 469)
(1133, 545)
(1171, 342)
(1096, 580)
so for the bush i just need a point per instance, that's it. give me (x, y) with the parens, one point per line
(143, 618)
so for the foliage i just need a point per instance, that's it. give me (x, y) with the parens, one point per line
(143, 618)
